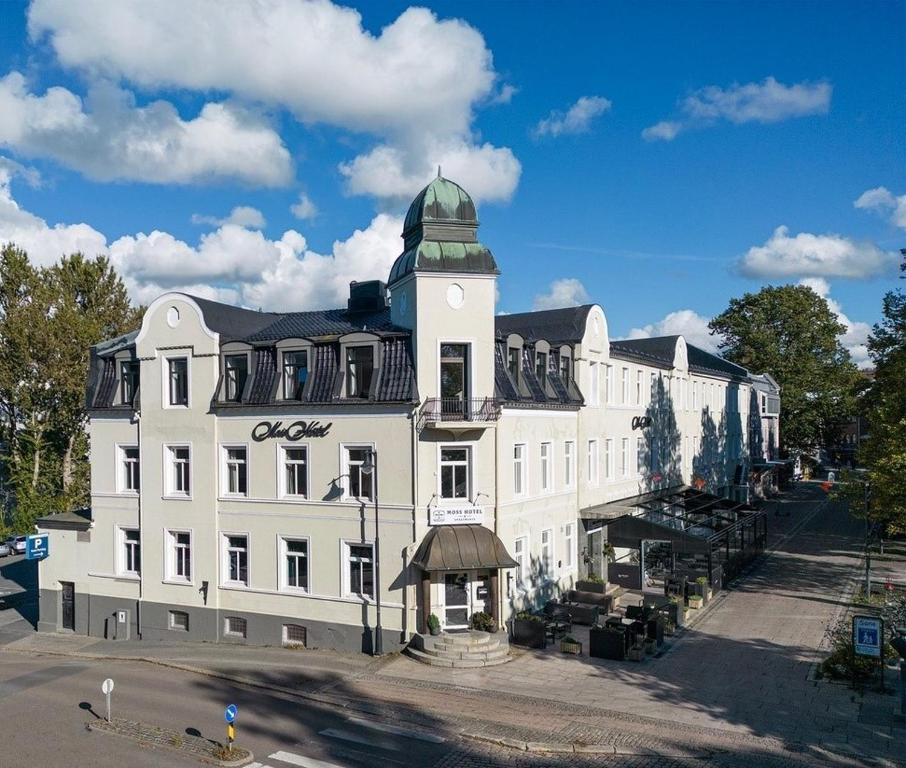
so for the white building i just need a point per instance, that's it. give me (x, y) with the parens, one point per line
(312, 477)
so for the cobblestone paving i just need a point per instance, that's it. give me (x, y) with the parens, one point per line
(164, 738)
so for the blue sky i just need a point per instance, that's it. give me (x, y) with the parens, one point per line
(643, 156)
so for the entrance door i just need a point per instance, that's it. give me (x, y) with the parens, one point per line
(456, 601)
(68, 612)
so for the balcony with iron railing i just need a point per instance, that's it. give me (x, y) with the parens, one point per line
(458, 413)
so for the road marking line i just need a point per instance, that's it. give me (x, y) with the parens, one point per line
(398, 731)
(335, 733)
(302, 762)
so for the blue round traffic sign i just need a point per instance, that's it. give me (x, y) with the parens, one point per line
(230, 714)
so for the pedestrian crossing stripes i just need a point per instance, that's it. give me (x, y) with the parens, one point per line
(299, 760)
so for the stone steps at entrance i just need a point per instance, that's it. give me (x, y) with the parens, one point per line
(462, 650)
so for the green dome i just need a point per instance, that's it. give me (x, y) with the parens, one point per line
(442, 200)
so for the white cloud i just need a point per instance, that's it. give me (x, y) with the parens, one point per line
(241, 215)
(304, 209)
(808, 255)
(855, 339)
(107, 137)
(504, 94)
(414, 86)
(882, 200)
(566, 292)
(577, 119)
(232, 263)
(769, 101)
(685, 322)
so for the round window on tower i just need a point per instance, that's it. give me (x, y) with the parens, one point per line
(455, 296)
(173, 317)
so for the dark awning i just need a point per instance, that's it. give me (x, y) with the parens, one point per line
(461, 548)
(629, 530)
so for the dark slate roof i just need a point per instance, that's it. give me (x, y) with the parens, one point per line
(660, 350)
(553, 325)
(325, 322)
(557, 393)
(701, 360)
(78, 519)
(397, 382)
(233, 323)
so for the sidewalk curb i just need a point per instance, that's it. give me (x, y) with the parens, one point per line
(579, 748)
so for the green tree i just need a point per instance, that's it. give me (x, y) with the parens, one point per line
(790, 332)
(884, 452)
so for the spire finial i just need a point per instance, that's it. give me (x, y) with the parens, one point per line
(438, 171)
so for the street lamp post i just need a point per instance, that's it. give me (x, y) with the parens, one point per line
(867, 490)
(369, 467)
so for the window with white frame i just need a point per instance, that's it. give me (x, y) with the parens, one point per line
(295, 471)
(235, 626)
(131, 551)
(129, 380)
(608, 458)
(592, 462)
(295, 374)
(639, 454)
(694, 395)
(359, 371)
(235, 374)
(609, 394)
(360, 570)
(569, 544)
(129, 469)
(624, 458)
(454, 473)
(520, 555)
(294, 555)
(179, 556)
(178, 470)
(653, 387)
(547, 467)
(235, 470)
(638, 387)
(520, 475)
(654, 456)
(625, 386)
(569, 463)
(178, 380)
(360, 480)
(236, 559)
(547, 548)
(594, 396)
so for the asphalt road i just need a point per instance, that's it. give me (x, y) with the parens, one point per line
(47, 701)
(18, 592)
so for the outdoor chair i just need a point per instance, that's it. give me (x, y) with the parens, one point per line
(557, 620)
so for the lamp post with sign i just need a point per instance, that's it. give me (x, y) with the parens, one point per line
(369, 467)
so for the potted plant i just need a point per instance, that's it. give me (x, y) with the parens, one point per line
(528, 630)
(702, 588)
(696, 601)
(569, 644)
(433, 625)
(483, 622)
(591, 583)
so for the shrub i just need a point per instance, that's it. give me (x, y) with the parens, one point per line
(433, 623)
(593, 578)
(526, 616)
(483, 622)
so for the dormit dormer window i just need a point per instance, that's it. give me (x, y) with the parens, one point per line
(514, 363)
(236, 373)
(295, 374)
(565, 368)
(359, 371)
(129, 379)
(541, 368)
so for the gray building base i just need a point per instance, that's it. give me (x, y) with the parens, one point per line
(115, 618)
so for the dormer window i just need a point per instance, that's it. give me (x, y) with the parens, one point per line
(129, 372)
(236, 373)
(359, 370)
(541, 368)
(565, 368)
(295, 374)
(514, 363)
(179, 380)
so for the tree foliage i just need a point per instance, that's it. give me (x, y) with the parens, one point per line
(884, 404)
(790, 332)
(49, 318)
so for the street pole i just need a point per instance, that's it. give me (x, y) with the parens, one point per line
(867, 492)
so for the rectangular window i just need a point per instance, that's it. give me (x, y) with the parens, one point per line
(595, 384)
(235, 461)
(360, 562)
(236, 559)
(360, 483)
(454, 473)
(609, 393)
(179, 483)
(541, 368)
(359, 369)
(568, 545)
(132, 551)
(179, 620)
(520, 555)
(625, 386)
(295, 635)
(608, 458)
(624, 458)
(129, 469)
(654, 457)
(547, 541)
(569, 460)
(565, 368)
(519, 474)
(514, 363)
(235, 626)
(547, 480)
(295, 374)
(236, 373)
(694, 395)
(638, 387)
(639, 454)
(129, 378)
(653, 387)
(592, 462)
(295, 562)
(295, 472)
(179, 380)
(180, 565)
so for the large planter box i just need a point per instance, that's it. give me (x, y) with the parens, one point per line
(591, 586)
(575, 648)
(528, 633)
(607, 644)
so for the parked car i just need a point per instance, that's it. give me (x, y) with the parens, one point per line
(16, 544)
(5, 549)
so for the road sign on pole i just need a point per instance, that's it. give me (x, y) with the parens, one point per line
(230, 716)
(107, 689)
(37, 546)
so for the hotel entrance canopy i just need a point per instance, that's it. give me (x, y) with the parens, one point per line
(461, 548)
